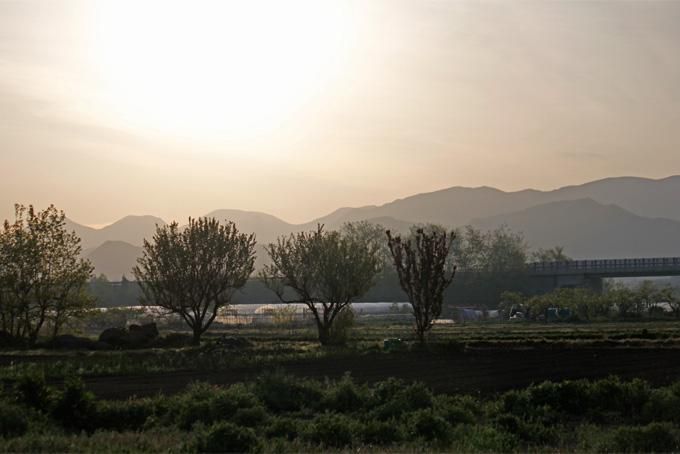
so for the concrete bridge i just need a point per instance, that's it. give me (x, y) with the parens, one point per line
(547, 276)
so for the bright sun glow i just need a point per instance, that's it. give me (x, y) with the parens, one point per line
(216, 68)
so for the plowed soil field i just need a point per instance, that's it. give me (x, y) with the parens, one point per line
(471, 371)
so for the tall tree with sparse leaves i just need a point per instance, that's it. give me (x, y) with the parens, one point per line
(325, 270)
(193, 272)
(42, 276)
(423, 264)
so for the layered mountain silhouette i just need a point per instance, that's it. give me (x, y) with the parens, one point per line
(610, 218)
(587, 229)
(114, 259)
(130, 229)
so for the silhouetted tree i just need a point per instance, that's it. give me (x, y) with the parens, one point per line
(42, 277)
(370, 233)
(424, 269)
(194, 271)
(325, 270)
(489, 263)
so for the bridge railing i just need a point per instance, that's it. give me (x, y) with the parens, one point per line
(658, 263)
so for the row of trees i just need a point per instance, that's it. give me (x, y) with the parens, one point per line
(193, 272)
(42, 277)
(618, 301)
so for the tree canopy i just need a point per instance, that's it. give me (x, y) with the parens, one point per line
(325, 270)
(194, 271)
(42, 277)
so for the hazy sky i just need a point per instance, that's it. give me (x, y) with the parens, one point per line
(177, 108)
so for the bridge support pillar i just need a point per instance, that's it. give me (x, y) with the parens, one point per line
(594, 284)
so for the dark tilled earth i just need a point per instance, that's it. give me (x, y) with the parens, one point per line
(472, 371)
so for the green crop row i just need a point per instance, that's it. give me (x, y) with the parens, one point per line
(279, 413)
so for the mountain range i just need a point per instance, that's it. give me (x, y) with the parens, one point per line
(609, 218)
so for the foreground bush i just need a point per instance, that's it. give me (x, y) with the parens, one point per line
(75, 408)
(227, 437)
(279, 413)
(332, 430)
(32, 390)
(655, 437)
(282, 393)
(13, 421)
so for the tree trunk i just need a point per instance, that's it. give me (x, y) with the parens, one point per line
(420, 334)
(55, 329)
(33, 338)
(324, 334)
(196, 340)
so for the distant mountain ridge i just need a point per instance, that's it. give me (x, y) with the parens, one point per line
(114, 259)
(613, 217)
(130, 229)
(589, 230)
(458, 205)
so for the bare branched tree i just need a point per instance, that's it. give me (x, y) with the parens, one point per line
(425, 271)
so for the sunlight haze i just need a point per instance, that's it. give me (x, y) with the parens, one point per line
(178, 108)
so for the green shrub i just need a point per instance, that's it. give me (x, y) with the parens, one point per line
(225, 402)
(429, 426)
(454, 410)
(395, 399)
(282, 393)
(627, 399)
(532, 433)
(283, 427)
(208, 404)
(381, 433)
(251, 417)
(32, 390)
(655, 437)
(479, 438)
(224, 436)
(386, 390)
(131, 414)
(346, 396)
(75, 408)
(663, 405)
(517, 402)
(189, 412)
(570, 397)
(13, 421)
(108, 442)
(332, 430)
(416, 396)
(604, 400)
(200, 391)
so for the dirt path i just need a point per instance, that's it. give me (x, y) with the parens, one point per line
(473, 371)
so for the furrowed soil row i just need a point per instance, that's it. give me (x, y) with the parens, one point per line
(478, 371)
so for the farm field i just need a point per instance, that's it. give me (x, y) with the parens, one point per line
(479, 387)
(280, 412)
(475, 358)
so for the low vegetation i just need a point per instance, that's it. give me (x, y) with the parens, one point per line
(275, 413)
(617, 302)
